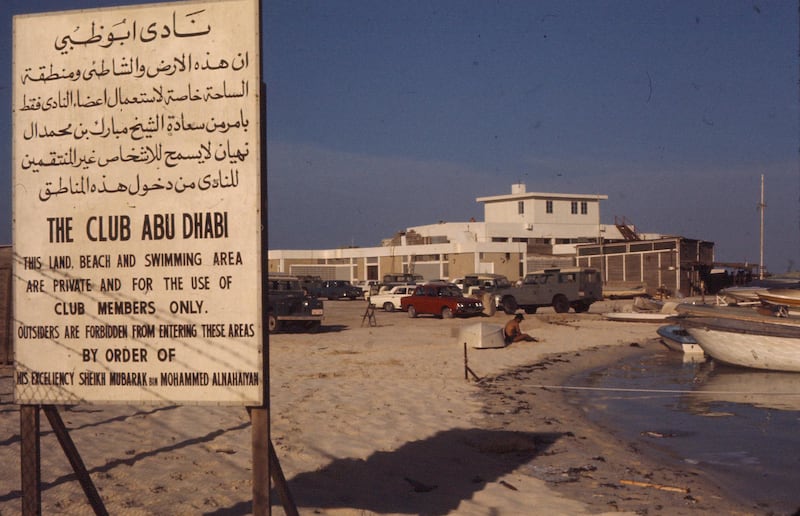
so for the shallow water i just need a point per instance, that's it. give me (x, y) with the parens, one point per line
(740, 427)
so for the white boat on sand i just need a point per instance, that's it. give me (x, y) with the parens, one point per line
(763, 314)
(637, 316)
(768, 344)
(781, 296)
(737, 295)
(644, 310)
(742, 294)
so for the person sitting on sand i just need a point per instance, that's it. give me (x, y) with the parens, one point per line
(513, 333)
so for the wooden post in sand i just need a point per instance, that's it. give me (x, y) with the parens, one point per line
(259, 416)
(259, 419)
(466, 367)
(467, 370)
(265, 461)
(31, 459)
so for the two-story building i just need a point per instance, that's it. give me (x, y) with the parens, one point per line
(521, 231)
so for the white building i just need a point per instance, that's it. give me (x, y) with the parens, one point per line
(521, 231)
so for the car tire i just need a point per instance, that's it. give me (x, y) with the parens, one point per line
(412, 312)
(273, 324)
(388, 306)
(560, 304)
(447, 313)
(509, 305)
(581, 306)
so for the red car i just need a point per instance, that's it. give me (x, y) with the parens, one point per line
(442, 299)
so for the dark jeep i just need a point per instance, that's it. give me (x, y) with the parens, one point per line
(290, 305)
(336, 289)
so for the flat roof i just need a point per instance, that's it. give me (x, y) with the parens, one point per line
(541, 195)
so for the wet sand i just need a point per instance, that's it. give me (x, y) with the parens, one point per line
(586, 462)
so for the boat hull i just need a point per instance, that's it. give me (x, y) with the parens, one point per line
(637, 316)
(772, 347)
(781, 296)
(677, 339)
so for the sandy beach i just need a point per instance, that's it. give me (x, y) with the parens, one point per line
(380, 420)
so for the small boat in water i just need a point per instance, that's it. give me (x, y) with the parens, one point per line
(676, 338)
(744, 337)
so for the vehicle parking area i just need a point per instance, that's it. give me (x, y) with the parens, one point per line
(347, 314)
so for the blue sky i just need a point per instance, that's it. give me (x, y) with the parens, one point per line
(388, 114)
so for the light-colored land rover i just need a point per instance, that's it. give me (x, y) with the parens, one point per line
(575, 288)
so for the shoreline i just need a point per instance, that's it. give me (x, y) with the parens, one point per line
(379, 420)
(588, 463)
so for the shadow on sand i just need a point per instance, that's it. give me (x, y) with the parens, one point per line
(430, 476)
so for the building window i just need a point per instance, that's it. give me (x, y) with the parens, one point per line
(548, 206)
(521, 207)
(584, 207)
(587, 251)
(574, 207)
(664, 245)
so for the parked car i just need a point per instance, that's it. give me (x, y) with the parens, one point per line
(389, 298)
(368, 287)
(575, 288)
(289, 305)
(335, 289)
(393, 279)
(310, 284)
(475, 285)
(441, 299)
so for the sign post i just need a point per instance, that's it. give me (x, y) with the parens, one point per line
(137, 206)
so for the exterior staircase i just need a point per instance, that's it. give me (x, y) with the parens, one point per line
(626, 228)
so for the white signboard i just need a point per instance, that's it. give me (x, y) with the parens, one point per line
(137, 205)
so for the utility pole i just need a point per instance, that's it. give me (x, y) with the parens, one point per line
(600, 242)
(761, 207)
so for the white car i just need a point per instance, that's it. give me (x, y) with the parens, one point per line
(366, 286)
(389, 299)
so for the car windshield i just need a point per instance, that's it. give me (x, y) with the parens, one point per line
(285, 285)
(451, 291)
